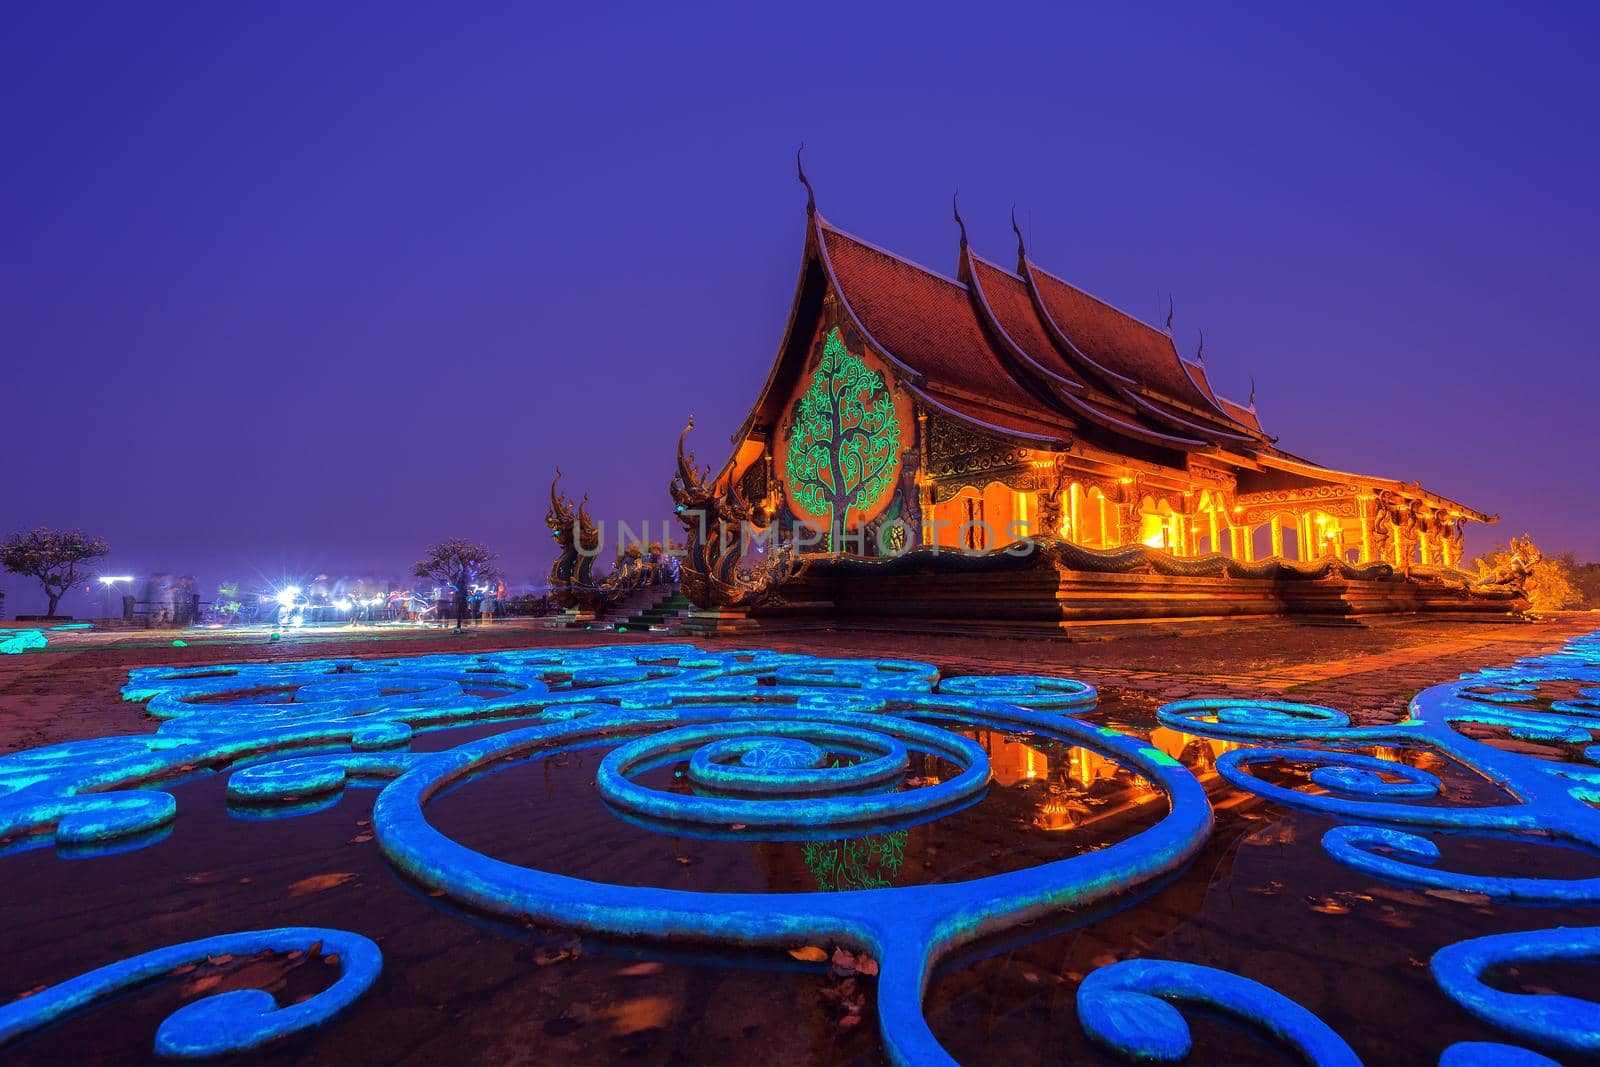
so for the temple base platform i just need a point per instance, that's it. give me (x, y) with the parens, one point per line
(1041, 590)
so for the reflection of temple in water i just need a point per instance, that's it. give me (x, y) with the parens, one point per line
(1078, 786)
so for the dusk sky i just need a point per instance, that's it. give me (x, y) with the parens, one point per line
(288, 288)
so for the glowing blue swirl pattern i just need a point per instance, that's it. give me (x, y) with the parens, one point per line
(1553, 799)
(792, 747)
(817, 815)
(778, 747)
(1124, 1007)
(236, 1021)
(1549, 1020)
(1033, 691)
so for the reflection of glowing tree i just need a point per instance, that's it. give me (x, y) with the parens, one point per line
(844, 439)
(869, 862)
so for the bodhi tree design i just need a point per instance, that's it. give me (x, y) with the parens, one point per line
(844, 440)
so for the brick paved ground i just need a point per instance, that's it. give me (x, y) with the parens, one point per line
(71, 691)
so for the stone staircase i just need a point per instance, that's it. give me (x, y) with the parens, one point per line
(654, 608)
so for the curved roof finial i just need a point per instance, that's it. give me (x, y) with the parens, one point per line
(1200, 353)
(1169, 313)
(1022, 247)
(955, 210)
(811, 196)
(1252, 404)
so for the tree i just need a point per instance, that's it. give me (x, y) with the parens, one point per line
(456, 564)
(1585, 576)
(53, 557)
(844, 440)
(1549, 586)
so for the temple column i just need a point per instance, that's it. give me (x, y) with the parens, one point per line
(1364, 509)
(1105, 528)
(1074, 511)
(1249, 555)
(1216, 530)
(924, 482)
(1424, 549)
(1302, 523)
(1276, 526)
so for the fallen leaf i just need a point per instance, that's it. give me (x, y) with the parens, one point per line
(1457, 896)
(641, 1013)
(1327, 906)
(809, 954)
(639, 970)
(317, 883)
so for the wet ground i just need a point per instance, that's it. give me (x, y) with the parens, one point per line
(1262, 900)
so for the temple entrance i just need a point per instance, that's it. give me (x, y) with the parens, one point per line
(980, 520)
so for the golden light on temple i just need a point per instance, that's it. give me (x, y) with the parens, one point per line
(1055, 813)
(994, 460)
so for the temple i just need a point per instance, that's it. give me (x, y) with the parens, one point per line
(912, 415)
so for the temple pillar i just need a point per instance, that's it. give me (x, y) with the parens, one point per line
(1249, 555)
(1216, 530)
(1105, 523)
(1276, 526)
(1074, 513)
(1424, 549)
(1364, 509)
(924, 480)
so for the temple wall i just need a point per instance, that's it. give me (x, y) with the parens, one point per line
(1033, 593)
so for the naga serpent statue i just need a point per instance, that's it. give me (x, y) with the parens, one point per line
(571, 580)
(715, 526)
(1512, 575)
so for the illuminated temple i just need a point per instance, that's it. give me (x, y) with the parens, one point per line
(923, 422)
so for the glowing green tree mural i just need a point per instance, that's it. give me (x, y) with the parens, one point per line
(869, 862)
(844, 440)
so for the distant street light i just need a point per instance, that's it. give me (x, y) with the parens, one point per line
(110, 582)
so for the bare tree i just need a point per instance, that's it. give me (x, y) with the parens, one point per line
(53, 557)
(456, 564)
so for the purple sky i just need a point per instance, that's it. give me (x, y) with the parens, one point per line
(291, 287)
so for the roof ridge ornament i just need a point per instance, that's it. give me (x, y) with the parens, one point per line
(1022, 246)
(1169, 314)
(1200, 353)
(811, 196)
(956, 211)
(1252, 404)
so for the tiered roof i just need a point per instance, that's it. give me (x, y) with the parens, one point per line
(1027, 354)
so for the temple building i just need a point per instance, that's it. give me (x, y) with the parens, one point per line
(910, 412)
(1006, 399)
